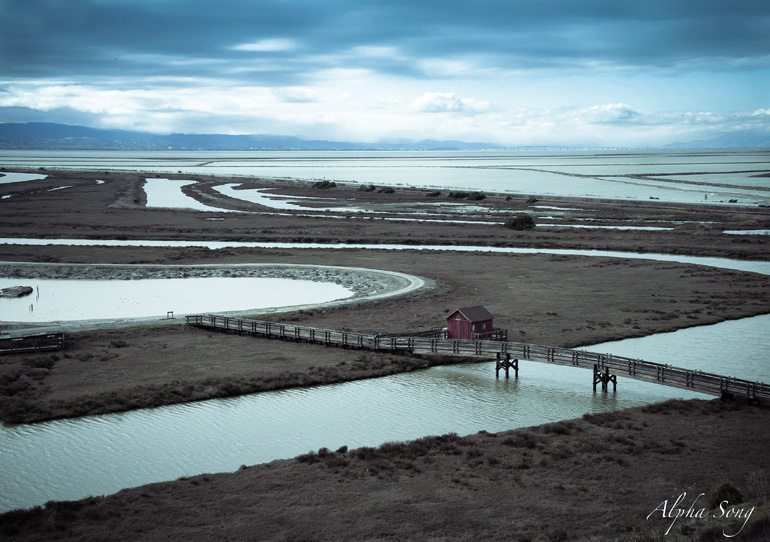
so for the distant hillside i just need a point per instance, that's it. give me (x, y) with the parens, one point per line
(50, 136)
(727, 141)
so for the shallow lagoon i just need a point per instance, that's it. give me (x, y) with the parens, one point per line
(669, 175)
(68, 300)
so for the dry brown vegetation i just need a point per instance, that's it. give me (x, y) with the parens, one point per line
(111, 371)
(596, 300)
(595, 478)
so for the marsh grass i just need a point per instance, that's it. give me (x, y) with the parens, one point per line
(552, 482)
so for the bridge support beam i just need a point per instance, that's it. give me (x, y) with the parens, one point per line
(604, 377)
(504, 362)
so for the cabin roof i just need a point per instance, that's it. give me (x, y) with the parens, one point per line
(476, 313)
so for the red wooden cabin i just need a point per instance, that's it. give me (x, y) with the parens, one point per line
(472, 323)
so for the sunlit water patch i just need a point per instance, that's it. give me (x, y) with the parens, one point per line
(68, 300)
(747, 232)
(260, 196)
(167, 194)
(719, 174)
(12, 177)
(703, 348)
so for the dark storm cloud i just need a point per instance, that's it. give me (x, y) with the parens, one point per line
(196, 38)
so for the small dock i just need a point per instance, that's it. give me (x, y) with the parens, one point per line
(606, 368)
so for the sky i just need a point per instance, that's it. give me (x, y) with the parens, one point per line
(511, 72)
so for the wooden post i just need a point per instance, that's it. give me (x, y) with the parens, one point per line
(504, 362)
(604, 377)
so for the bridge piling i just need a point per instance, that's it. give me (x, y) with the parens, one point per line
(604, 377)
(504, 362)
(606, 367)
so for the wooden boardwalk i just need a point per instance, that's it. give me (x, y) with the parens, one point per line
(27, 340)
(606, 368)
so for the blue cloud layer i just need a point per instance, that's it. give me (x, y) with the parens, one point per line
(47, 38)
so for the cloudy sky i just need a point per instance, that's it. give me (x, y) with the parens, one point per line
(518, 72)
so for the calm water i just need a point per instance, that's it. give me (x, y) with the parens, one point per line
(738, 265)
(100, 455)
(67, 300)
(681, 176)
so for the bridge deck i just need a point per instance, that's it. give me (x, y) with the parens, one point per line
(668, 375)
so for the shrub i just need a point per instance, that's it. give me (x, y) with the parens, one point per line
(310, 457)
(521, 440)
(477, 196)
(459, 195)
(434, 194)
(532, 199)
(474, 196)
(725, 491)
(520, 222)
(367, 188)
(367, 453)
(325, 184)
(558, 428)
(388, 190)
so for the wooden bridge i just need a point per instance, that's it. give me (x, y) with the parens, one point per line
(606, 367)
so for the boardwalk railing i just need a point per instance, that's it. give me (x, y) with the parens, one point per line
(42, 342)
(606, 364)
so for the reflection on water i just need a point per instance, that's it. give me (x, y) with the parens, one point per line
(725, 263)
(67, 300)
(167, 194)
(749, 359)
(721, 174)
(260, 196)
(97, 455)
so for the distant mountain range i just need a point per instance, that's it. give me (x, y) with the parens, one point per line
(727, 141)
(44, 135)
(49, 136)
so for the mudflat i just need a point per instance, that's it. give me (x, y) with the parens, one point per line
(558, 300)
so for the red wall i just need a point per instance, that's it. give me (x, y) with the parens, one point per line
(463, 328)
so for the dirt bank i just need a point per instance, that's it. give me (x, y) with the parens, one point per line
(603, 477)
(542, 299)
(592, 479)
(115, 208)
(364, 284)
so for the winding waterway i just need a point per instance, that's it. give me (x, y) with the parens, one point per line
(71, 459)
